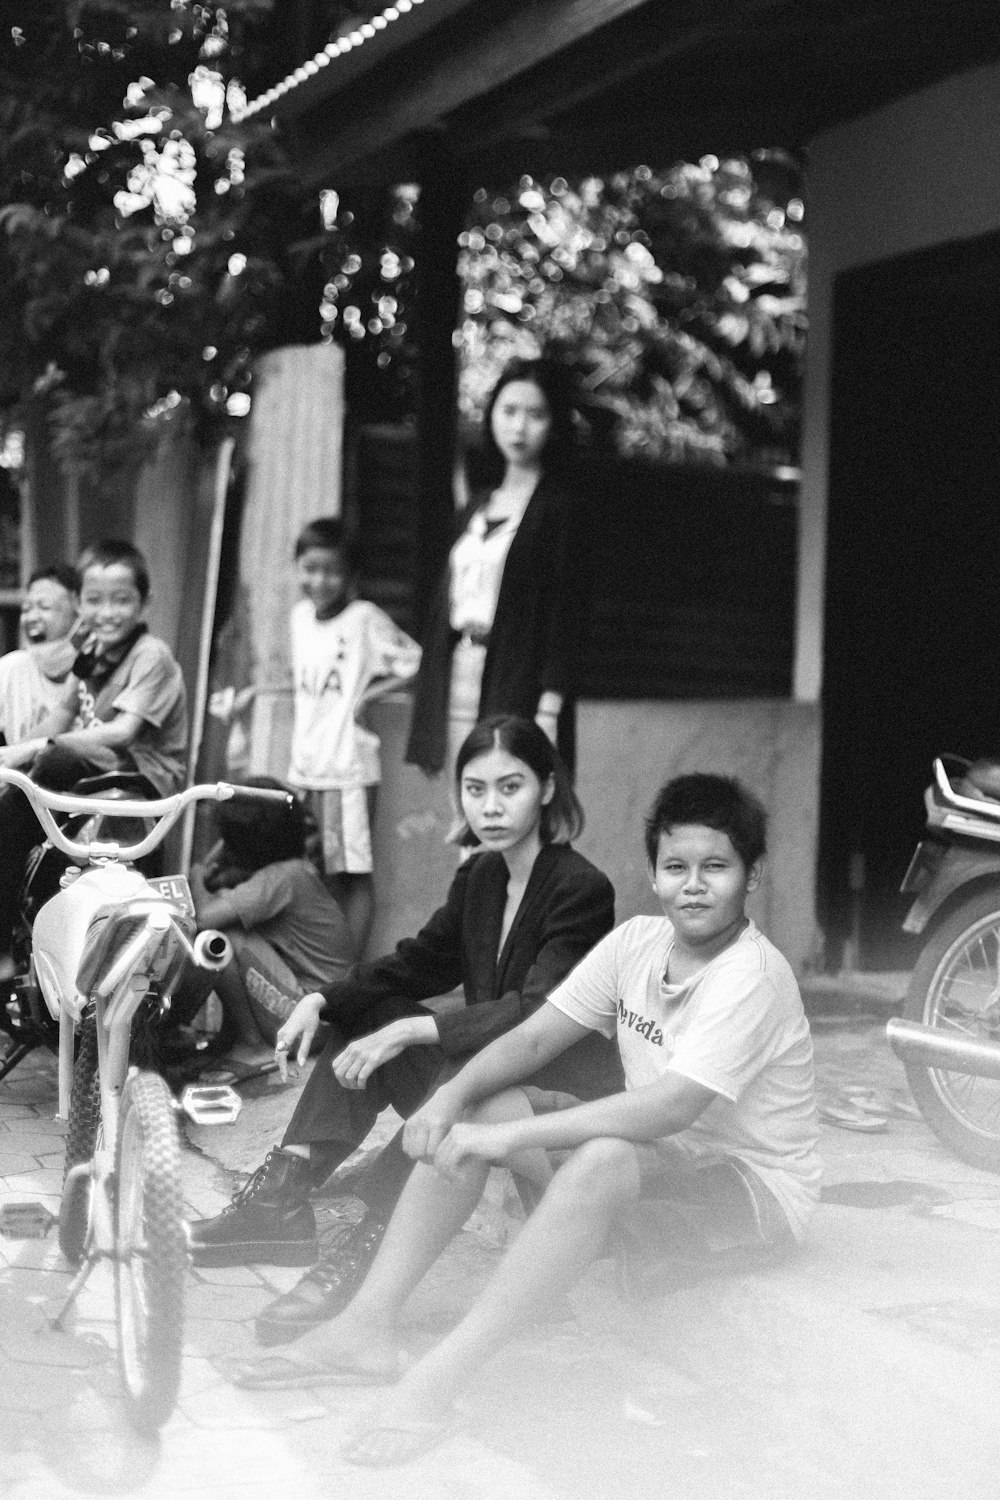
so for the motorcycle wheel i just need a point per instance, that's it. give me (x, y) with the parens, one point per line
(81, 1143)
(151, 1253)
(956, 987)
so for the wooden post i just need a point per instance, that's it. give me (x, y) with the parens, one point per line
(294, 474)
(444, 196)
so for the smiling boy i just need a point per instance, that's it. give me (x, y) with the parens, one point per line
(125, 709)
(712, 1145)
(32, 678)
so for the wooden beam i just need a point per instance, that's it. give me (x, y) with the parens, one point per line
(643, 43)
(500, 49)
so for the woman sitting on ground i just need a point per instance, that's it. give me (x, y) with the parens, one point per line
(521, 912)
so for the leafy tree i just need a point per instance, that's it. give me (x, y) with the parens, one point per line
(678, 294)
(152, 250)
(141, 234)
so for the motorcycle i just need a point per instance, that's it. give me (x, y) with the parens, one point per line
(948, 1036)
(107, 950)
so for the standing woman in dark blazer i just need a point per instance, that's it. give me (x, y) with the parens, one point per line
(520, 913)
(504, 624)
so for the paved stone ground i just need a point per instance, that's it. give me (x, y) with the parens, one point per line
(867, 1365)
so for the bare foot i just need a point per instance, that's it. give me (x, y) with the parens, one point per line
(353, 1344)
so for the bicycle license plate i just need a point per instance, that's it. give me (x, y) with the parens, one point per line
(176, 889)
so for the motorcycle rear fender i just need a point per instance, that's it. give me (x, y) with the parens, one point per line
(961, 865)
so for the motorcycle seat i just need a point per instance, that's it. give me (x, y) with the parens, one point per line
(949, 805)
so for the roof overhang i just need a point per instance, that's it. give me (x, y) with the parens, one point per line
(590, 85)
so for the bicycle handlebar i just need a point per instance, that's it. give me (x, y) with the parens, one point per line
(166, 811)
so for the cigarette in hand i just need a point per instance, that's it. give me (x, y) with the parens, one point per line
(281, 1058)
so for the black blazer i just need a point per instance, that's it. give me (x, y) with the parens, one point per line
(567, 906)
(536, 630)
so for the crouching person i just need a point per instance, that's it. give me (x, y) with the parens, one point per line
(287, 932)
(716, 1126)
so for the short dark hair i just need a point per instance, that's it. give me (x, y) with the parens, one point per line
(562, 816)
(719, 802)
(262, 833)
(555, 381)
(328, 532)
(62, 573)
(111, 551)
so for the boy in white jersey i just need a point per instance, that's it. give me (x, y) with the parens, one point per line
(712, 1145)
(345, 652)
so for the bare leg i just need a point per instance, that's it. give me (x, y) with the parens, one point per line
(566, 1232)
(430, 1212)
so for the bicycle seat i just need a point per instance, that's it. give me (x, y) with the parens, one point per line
(127, 784)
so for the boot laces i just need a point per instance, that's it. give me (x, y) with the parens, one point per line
(253, 1184)
(349, 1253)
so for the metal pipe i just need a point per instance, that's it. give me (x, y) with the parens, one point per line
(212, 950)
(949, 1051)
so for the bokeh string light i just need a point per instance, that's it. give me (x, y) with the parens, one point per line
(362, 34)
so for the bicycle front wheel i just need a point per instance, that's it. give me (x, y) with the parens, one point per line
(81, 1143)
(151, 1252)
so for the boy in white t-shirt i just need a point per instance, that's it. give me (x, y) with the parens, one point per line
(345, 652)
(711, 1147)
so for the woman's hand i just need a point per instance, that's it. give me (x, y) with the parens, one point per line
(359, 1059)
(490, 1143)
(427, 1127)
(301, 1026)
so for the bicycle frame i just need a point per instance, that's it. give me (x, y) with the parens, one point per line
(94, 968)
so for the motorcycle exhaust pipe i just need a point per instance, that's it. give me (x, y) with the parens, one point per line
(950, 1051)
(211, 950)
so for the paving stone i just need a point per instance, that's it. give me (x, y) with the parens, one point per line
(36, 1255)
(199, 1375)
(224, 1303)
(232, 1277)
(34, 1181)
(232, 1410)
(38, 1125)
(45, 1348)
(14, 1163)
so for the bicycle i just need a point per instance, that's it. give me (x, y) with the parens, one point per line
(109, 945)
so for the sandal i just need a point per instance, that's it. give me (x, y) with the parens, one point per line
(397, 1441)
(277, 1372)
(852, 1117)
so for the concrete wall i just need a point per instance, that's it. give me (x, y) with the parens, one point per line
(625, 752)
(920, 172)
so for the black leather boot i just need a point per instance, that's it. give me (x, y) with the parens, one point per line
(326, 1290)
(269, 1220)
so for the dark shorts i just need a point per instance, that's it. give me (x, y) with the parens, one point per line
(706, 1215)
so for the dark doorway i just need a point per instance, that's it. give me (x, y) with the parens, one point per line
(912, 657)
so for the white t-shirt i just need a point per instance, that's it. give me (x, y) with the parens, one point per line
(737, 1027)
(476, 571)
(333, 663)
(27, 695)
